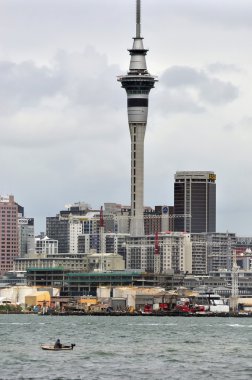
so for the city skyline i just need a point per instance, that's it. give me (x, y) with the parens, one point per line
(63, 114)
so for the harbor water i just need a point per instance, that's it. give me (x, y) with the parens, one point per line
(139, 347)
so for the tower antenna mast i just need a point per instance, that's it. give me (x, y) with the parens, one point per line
(138, 18)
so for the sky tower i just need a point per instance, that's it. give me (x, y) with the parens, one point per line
(137, 83)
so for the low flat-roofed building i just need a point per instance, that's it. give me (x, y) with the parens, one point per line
(65, 260)
(105, 261)
(76, 262)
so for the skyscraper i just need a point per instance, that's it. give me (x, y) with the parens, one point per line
(26, 236)
(8, 232)
(137, 83)
(195, 201)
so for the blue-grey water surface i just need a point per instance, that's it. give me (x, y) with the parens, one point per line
(126, 347)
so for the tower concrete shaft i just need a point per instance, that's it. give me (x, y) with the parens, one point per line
(137, 83)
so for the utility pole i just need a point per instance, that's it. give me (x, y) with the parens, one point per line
(235, 279)
(235, 284)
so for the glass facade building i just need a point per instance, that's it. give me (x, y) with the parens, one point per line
(195, 201)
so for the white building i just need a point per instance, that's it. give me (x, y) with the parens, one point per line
(46, 246)
(75, 229)
(105, 262)
(175, 253)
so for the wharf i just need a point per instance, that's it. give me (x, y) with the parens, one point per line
(153, 314)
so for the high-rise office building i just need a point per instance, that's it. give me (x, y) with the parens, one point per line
(8, 232)
(137, 83)
(26, 236)
(195, 201)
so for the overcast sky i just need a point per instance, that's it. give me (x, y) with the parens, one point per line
(64, 132)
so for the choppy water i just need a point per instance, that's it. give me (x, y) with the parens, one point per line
(126, 348)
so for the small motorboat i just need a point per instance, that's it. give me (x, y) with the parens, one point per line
(51, 347)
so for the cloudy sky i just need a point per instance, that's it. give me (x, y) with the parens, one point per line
(63, 123)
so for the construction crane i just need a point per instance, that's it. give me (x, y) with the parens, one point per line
(235, 276)
(156, 255)
(102, 241)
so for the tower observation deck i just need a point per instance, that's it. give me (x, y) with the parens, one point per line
(137, 83)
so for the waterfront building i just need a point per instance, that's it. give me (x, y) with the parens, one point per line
(103, 262)
(13, 278)
(137, 83)
(9, 238)
(195, 201)
(73, 262)
(174, 251)
(220, 282)
(78, 284)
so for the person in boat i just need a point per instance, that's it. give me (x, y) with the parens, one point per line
(57, 344)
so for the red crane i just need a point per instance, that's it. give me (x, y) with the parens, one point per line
(156, 244)
(101, 217)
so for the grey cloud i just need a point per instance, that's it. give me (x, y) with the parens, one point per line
(88, 78)
(223, 14)
(217, 92)
(24, 84)
(244, 125)
(246, 122)
(73, 97)
(83, 78)
(230, 127)
(219, 67)
(181, 76)
(206, 88)
(168, 101)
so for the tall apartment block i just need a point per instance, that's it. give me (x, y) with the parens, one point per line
(175, 251)
(8, 232)
(137, 83)
(195, 201)
(212, 252)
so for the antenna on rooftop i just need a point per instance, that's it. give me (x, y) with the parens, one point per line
(138, 18)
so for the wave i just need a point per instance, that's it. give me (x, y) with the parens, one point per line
(15, 323)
